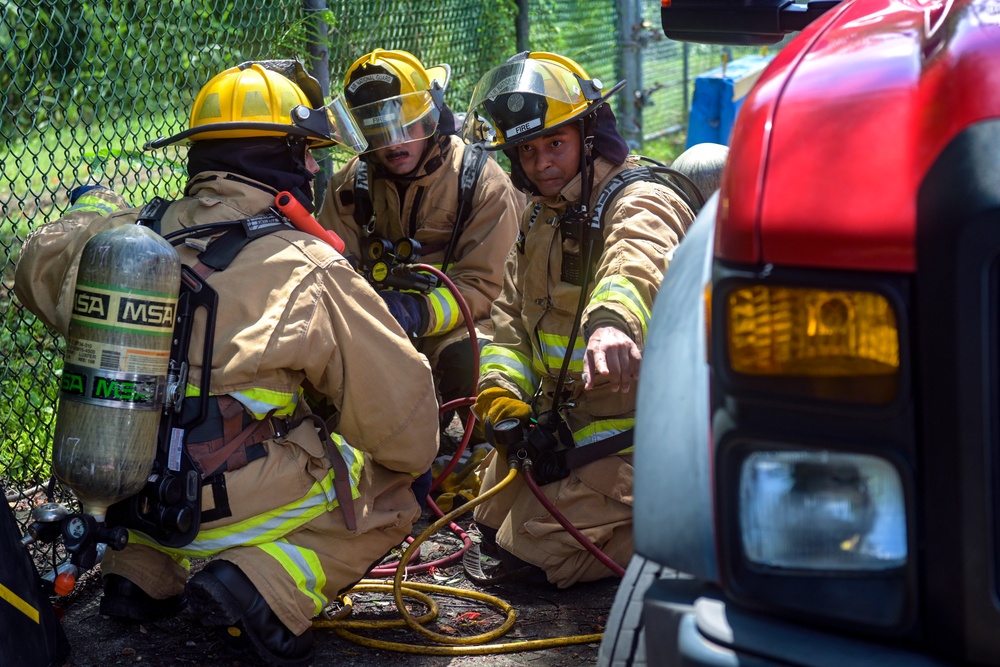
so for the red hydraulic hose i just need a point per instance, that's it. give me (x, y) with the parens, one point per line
(389, 569)
(459, 402)
(570, 528)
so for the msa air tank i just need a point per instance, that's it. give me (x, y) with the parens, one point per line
(117, 355)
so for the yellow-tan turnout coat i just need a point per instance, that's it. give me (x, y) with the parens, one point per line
(292, 314)
(534, 317)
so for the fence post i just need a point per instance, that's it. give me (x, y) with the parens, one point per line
(630, 66)
(522, 26)
(317, 32)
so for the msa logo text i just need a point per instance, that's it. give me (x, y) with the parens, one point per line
(121, 390)
(73, 383)
(148, 313)
(91, 304)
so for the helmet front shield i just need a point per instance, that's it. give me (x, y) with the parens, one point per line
(518, 99)
(398, 120)
(331, 125)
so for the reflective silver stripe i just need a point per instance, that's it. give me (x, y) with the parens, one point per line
(554, 350)
(512, 364)
(307, 575)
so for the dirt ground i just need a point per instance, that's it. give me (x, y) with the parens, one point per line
(97, 641)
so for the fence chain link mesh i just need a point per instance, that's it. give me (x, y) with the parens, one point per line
(88, 83)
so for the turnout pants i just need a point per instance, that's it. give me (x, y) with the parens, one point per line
(287, 532)
(597, 500)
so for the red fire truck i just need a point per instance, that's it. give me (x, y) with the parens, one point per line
(818, 425)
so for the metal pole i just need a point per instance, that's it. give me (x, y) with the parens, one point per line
(630, 66)
(318, 64)
(522, 26)
(686, 82)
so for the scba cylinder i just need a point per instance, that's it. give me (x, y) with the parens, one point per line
(116, 362)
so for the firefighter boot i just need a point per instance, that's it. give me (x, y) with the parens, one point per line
(125, 601)
(221, 594)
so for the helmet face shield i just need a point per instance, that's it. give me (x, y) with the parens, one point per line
(397, 120)
(520, 99)
(331, 125)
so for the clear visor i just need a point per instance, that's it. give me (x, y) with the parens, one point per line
(522, 76)
(334, 123)
(397, 120)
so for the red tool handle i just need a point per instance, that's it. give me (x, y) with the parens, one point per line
(303, 220)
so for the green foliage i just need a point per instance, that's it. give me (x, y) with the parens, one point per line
(28, 394)
(665, 149)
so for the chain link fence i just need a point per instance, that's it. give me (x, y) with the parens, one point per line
(87, 83)
(669, 69)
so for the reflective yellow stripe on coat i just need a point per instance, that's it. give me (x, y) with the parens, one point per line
(512, 364)
(273, 525)
(89, 203)
(605, 428)
(444, 311)
(618, 289)
(259, 402)
(554, 351)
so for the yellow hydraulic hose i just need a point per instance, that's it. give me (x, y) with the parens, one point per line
(474, 645)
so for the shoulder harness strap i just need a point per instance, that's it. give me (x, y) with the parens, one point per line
(221, 251)
(364, 212)
(521, 235)
(473, 160)
(151, 214)
(218, 253)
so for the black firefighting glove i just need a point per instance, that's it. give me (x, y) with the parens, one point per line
(422, 487)
(408, 311)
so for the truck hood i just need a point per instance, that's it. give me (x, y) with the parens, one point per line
(831, 145)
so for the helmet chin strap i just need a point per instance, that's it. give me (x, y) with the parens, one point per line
(586, 165)
(588, 242)
(297, 150)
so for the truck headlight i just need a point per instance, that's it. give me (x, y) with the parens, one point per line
(821, 510)
(818, 341)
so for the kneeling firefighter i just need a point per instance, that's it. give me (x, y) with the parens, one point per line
(418, 181)
(291, 514)
(594, 242)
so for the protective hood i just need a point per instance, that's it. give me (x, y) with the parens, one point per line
(272, 161)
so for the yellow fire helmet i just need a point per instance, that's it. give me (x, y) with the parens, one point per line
(268, 98)
(394, 98)
(529, 95)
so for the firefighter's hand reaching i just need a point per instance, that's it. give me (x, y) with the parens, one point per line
(496, 404)
(613, 354)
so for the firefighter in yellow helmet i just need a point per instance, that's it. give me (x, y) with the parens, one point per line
(290, 518)
(571, 323)
(409, 184)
